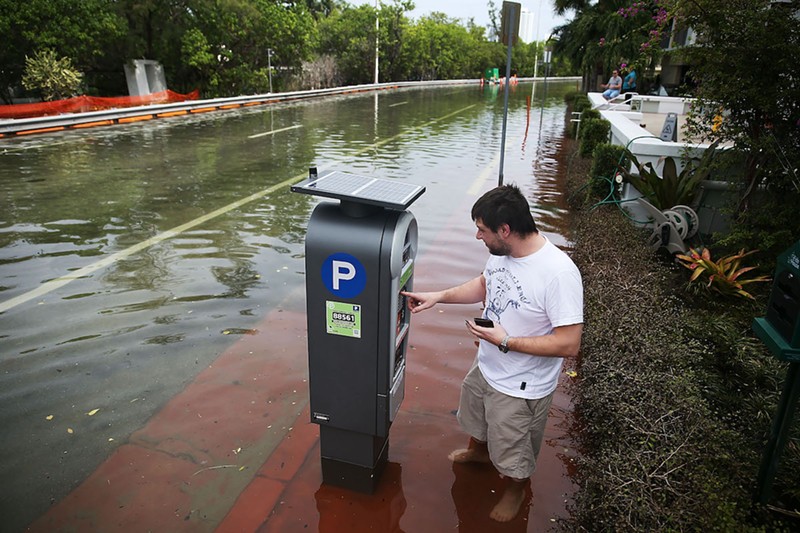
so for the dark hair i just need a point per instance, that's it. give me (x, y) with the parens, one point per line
(505, 205)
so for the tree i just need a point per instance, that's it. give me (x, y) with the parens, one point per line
(608, 33)
(348, 34)
(744, 70)
(440, 48)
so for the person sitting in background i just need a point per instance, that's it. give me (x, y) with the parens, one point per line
(613, 87)
(629, 83)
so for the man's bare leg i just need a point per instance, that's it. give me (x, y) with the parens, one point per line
(477, 452)
(510, 502)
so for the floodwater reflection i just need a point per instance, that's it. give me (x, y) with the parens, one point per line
(476, 490)
(343, 510)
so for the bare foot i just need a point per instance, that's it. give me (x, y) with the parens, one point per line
(471, 455)
(511, 501)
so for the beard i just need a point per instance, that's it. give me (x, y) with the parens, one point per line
(499, 249)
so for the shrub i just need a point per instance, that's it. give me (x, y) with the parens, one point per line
(570, 96)
(578, 102)
(581, 102)
(671, 188)
(593, 132)
(608, 160)
(590, 113)
(726, 275)
(54, 77)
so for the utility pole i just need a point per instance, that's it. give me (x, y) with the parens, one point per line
(377, 28)
(270, 51)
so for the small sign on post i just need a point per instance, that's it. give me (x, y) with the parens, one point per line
(509, 29)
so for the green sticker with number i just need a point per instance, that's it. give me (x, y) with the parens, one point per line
(343, 319)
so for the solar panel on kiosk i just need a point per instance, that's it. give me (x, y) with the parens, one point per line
(361, 189)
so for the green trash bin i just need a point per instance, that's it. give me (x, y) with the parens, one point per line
(780, 332)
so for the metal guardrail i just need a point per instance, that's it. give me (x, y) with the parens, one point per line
(51, 123)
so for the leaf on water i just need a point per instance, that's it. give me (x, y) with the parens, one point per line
(110, 439)
(48, 417)
(571, 373)
(226, 332)
(92, 412)
(69, 430)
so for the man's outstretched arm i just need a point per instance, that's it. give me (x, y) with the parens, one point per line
(473, 291)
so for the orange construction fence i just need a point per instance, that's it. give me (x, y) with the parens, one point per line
(82, 104)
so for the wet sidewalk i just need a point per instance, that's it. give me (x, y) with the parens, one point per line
(235, 451)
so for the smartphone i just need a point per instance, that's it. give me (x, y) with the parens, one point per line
(484, 322)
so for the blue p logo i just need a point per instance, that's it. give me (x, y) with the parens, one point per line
(344, 275)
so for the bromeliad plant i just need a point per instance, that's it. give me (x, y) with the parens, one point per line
(673, 188)
(726, 275)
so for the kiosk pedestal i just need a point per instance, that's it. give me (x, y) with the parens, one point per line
(359, 256)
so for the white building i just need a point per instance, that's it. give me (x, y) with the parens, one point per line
(527, 26)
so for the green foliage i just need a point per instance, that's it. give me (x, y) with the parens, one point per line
(590, 113)
(725, 276)
(607, 161)
(593, 131)
(759, 102)
(770, 223)
(54, 77)
(88, 32)
(581, 102)
(570, 96)
(576, 102)
(671, 188)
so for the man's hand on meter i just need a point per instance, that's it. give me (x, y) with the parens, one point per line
(419, 301)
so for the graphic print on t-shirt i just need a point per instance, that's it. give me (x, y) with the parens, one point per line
(505, 291)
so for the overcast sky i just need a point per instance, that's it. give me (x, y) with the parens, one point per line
(479, 10)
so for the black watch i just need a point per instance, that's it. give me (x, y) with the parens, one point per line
(503, 346)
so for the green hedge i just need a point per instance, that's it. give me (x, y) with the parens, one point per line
(606, 161)
(594, 131)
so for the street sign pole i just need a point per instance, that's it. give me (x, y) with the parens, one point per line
(509, 33)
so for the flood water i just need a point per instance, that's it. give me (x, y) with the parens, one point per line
(131, 257)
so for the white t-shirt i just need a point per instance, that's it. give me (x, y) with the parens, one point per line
(529, 296)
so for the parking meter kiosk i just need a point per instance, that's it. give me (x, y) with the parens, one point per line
(360, 254)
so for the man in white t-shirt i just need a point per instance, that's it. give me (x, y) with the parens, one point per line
(613, 87)
(533, 294)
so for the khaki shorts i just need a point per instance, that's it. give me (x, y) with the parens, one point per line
(512, 427)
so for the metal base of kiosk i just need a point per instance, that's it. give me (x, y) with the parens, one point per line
(353, 461)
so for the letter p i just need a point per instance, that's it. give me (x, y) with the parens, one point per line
(342, 271)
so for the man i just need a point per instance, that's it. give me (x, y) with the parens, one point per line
(613, 87)
(534, 295)
(629, 83)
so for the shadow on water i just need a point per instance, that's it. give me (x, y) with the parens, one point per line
(85, 365)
